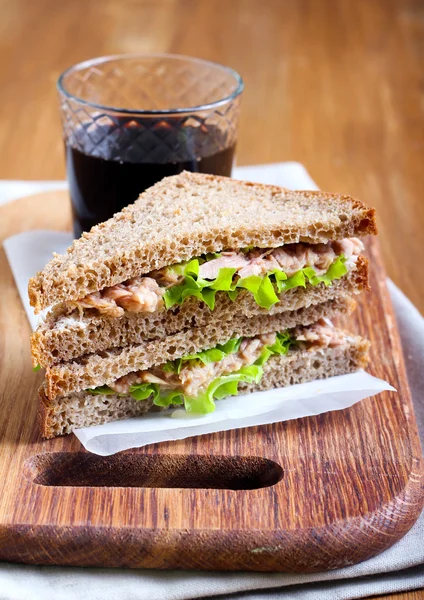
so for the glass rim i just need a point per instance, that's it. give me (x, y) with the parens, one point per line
(139, 111)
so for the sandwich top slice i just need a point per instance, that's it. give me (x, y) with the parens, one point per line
(208, 240)
(192, 215)
(243, 363)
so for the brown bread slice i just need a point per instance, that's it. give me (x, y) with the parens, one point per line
(81, 409)
(188, 215)
(103, 368)
(59, 340)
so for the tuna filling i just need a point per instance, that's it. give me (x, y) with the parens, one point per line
(227, 271)
(197, 380)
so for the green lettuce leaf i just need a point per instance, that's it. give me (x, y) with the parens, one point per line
(221, 387)
(335, 271)
(206, 356)
(142, 391)
(226, 385)
(165, 399)
(36, 368)
(102, 390)
(280, 346)
(282, 343)
(263, 288)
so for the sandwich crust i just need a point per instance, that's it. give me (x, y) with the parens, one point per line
(188, 215)
(65, 414)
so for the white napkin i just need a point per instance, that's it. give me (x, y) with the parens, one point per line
(260, 408)
(10, 189)
(398, 569)
(29, 251)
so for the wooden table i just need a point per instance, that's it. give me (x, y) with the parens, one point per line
(334, 84)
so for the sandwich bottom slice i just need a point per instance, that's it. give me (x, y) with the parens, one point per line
(239, 366)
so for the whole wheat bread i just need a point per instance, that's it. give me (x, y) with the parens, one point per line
(66, 339)
(105, 367)
(188, 215)
(65, 414)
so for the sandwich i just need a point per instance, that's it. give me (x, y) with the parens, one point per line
(203, 288)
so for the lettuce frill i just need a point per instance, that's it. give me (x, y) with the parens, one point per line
(221, 387)
(263, 288)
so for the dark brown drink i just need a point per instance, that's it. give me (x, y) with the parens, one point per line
(130, 120)
(109, 166)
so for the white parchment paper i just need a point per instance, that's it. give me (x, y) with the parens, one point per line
(231, 413)
(28, 252)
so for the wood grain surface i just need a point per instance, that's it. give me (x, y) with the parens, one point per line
(305, 495)
(334, 84)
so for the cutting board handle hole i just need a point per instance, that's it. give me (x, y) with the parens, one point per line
(78, 469)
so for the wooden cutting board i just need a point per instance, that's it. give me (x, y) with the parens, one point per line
(306, 495)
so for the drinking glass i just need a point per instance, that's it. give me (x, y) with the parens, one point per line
(130, 120)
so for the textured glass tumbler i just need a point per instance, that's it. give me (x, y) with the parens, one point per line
(130, 120)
